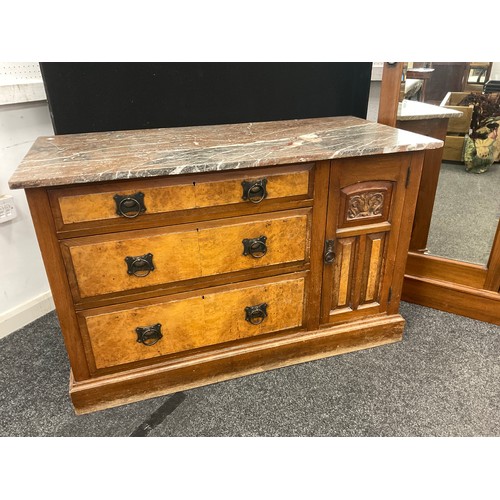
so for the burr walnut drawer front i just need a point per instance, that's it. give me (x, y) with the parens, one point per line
(99, 265)
(122, 201)
(167, 326)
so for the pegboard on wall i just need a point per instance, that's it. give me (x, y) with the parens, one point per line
(21, 82)
(20, 71)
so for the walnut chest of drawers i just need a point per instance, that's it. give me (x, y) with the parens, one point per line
(184, 257)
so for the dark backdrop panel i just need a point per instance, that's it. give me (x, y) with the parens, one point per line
(94, 97)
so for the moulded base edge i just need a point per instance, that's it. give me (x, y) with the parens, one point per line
(225, 363)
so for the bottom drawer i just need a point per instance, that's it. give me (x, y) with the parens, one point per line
(168, 325)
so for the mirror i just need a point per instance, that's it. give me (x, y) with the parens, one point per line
(467, 205)
(465, 215)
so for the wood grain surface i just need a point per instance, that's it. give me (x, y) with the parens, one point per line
(184, 252)
(206, 319)
(193, 192)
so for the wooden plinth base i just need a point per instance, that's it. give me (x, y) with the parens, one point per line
(224, 363)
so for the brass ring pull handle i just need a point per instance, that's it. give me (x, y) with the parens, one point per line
(149, 335)
(256, 247)
(255, 190)
(140, 266)
(256, 314)
(129, 206)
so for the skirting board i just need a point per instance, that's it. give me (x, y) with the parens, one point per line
(20, 316)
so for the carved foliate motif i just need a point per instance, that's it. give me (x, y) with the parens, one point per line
(365, 205)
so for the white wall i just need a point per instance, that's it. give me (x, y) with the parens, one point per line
(24, 290)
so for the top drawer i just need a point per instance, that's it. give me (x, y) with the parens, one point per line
(129, 203)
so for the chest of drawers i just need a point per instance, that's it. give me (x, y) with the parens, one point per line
(184, 257)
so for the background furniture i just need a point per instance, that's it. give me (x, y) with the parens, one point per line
(454, 77)
(477, 74)
(459, 287)
(447, 77)
(423, 74)
(458, 127)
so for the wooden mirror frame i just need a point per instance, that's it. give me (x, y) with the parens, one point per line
(454, 286)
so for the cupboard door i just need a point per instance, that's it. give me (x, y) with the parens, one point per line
(365, 208)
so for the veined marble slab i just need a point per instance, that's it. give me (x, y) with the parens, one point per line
(103, 156)
(416, 110)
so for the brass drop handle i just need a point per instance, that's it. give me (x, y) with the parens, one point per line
(329, 254)
(149, 335)
(140, 266)
(255, 190)
(129, 206)
(256, 314)
(256, 247)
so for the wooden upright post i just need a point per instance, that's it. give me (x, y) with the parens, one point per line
(389, 93)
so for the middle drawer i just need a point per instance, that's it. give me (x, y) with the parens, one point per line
(105, 264)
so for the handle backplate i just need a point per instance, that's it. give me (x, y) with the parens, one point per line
(329, 254)
(140, 266)
(256, 247)
(256, 314)
(129, 206)
(255, 190)
(149, 335)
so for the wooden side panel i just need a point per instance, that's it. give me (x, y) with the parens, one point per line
(76, 205)
(99, 267)
(436, 128)
(56, 274)
(198, 321)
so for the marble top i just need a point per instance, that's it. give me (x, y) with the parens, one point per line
(416, 110)
(103, 156)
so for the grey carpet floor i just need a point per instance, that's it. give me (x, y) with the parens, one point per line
(443, 379)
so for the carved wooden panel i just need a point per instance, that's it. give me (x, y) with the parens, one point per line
(365, 203)
(358, 268)
(345, 252)
(374, 260)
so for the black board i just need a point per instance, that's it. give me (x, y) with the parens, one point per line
(96, 97)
